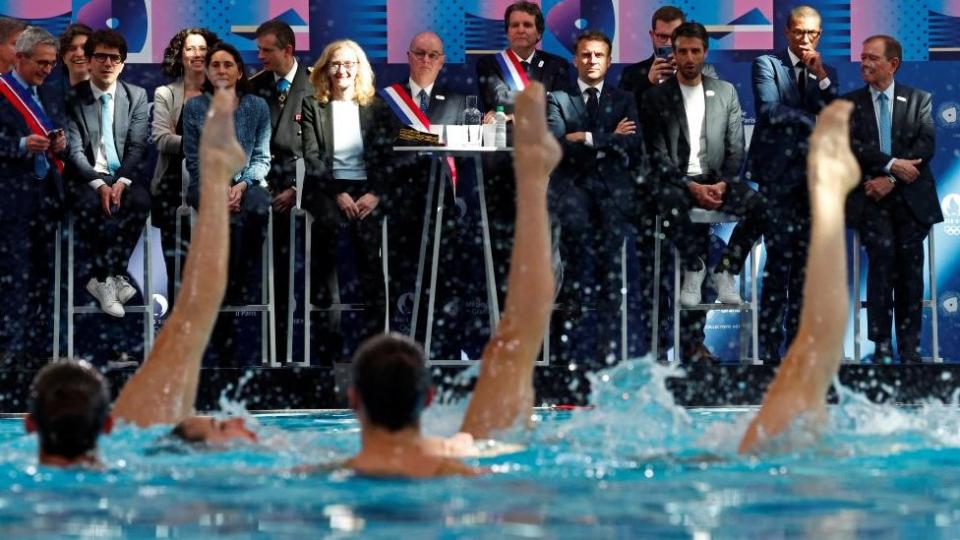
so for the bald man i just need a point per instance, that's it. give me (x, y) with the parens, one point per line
(406, 200)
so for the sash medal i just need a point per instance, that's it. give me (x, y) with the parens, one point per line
(513, 73)
(23, 102)
(410, 114)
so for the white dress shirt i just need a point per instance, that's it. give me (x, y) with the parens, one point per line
(289, 76)
(100, 162)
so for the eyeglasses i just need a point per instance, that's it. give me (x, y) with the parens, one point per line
(45, 64)
(800, 34)
(348, 65)
(662, 37)
(432, 55)
(103, 57)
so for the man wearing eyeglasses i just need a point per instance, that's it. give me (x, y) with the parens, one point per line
(405, 202)
(283, 84)
(107, 136)
(789, 89)
(31, 148)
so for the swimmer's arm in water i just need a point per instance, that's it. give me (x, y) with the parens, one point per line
(813, 357)
(164, 389)
(504, 389)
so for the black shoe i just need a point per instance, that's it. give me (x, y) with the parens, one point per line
(911, 358)
(698, 354)
(882, 355)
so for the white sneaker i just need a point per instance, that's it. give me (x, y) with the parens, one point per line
(106, 294)
(125, 290)
(726, 285)
(692, 282)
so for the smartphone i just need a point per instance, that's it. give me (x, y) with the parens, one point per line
(663, 52)
(54, 133)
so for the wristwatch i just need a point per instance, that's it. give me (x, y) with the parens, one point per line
(892, 180)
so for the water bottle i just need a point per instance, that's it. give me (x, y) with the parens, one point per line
(472, 119)
(500, 128)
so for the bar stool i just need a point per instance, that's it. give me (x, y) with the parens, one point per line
(267, 306)
(749, 311)
(146, 309)
(929, 303)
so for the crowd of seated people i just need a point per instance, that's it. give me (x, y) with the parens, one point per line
(666, 140)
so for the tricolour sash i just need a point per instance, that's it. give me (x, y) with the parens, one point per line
(513, 73)
(410, 114)
(23, 102)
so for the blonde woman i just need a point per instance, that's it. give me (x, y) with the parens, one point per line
(347, 141)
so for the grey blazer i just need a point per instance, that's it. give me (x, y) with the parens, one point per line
(167, 104)
(665, 130)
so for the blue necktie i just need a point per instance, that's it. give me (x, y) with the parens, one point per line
(41, 166)
(884, 112)
(106, 128)
(424, 100)
(283, 85)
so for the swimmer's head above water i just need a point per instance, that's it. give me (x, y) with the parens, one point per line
(391, 384)
(213, 431)
(69, 407)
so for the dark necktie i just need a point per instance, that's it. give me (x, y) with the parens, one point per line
(593, 106)
(424, 100)
(283, 86)
(801, 76)
(40, 164)
(526, 66)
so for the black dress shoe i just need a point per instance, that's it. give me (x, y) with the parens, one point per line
(699, 353)
(911, 358)
(882, 355)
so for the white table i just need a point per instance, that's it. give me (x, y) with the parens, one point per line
(439, 176)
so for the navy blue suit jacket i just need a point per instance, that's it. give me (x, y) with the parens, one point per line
(614, 160)
(778, 150)
(18, 182)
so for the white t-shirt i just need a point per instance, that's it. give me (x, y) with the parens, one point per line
(348, 161)
(695, 107)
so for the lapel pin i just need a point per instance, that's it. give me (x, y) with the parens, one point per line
(710, 93)
(439, 97)
(901, 98)
(540, 65)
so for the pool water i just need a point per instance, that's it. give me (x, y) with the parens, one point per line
(635, 466)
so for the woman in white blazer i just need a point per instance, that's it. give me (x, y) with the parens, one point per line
(184, 63)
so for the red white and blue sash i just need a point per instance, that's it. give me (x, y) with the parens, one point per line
(23, 102)
(410, 114)
(513, 73)
(405, 108)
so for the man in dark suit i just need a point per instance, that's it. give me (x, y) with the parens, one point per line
(283, 84)
(789, 90)
(31, 146)
(592, 196)
(892, 136)
(524, 25)
(637, 79)
(405, 202)
(109, 189)
(694, 132)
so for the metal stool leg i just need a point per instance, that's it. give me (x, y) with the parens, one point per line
(655, 312)
(58, 269)
(384, 250)
(623, 301)
(934, 299)
(857, 303)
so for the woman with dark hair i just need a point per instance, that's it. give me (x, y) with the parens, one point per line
(248, 198)
(346, 147)
(75, 61)
(184, 62)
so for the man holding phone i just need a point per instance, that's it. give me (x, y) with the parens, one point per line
(637, 79)
(31, 148)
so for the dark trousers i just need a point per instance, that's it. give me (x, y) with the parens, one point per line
(110, 239)
(164, 202)
(366, 242)
(501, 194)
(592, 231)
(692, 240)
(281, 278)
(26, 268)
(893, 239)
(783, 273)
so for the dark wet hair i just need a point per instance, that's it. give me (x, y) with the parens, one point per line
(181, 433)
(69, 401)
(243, 85)
(280, 30)
(108, 39)
(525, 7)
(691, 30)
(172, 65)
(666, 14)
(73, 30)
(391, 377)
